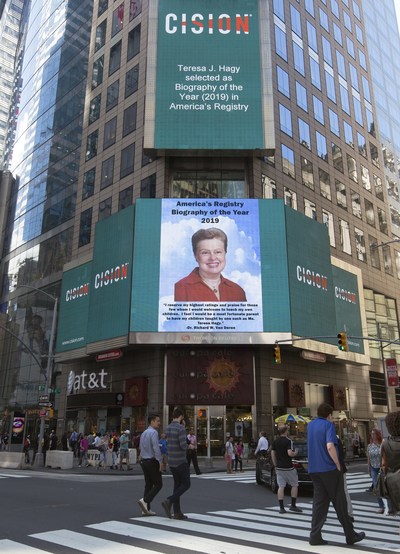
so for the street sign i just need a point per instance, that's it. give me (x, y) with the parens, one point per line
(392, 372)
(45, 404)
(44, 398)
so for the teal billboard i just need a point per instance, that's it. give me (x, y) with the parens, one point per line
(208, 85)
(74, 308)
(109, 306)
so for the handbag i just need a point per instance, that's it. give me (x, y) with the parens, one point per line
(380, 487)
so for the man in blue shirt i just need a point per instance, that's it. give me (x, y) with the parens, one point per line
(177, 448)
(151, 464)
(327, 477)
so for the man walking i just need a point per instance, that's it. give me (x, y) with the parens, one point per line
(177, 447)
(281, 454)
(262, 445)
(191, 454)
(327, 477)
(151, 464)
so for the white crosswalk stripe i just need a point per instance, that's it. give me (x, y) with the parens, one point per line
(14, 475)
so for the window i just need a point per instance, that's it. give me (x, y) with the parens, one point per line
(310, 209)
(94, 109)
(350, 47)
(335, 8)
(344, 99)
(105, 209)
(85, 227)
(327, 219)
(280, 42)
(352, 168)
(369, 212)
(355, 204)
(324, 184)
(359, 34)
(378, 187)
(301, 96)
(388, 159)
(337, 33)
(341, 65)
(337, 157)
(322, 150)
(334, 122)
(88, 183)
(269, 187)
(290, 198)
(315, 73)
(374, 252)
(309, 4)
(327, 50)
(348, 134)
(395, 216)
(362, 59)
(392, 188)
(365, 178)
(362, 144)
(378, 388)
(354, 77)
(361, 251)
(323, 19)
(347, 20)
(107, 173)
(307, 175)
(134, 42)
(279, 9)
(295, 20)
(387, 260)
(91, 145)
(103, 6)
(341, 197)
(110, 131)
(318, 110)
(370, 122)
(112, 95)
(366, 89)
(131, 81)
(97, 74)
(288, 161)
(312, 37)
(382, 220)
(330, 86)
(117, 20)
(345, 243)
(304, 133)
(373, 150)
(129, 123)
(298, 57)
(127, 160)
(100, 35)
(285, 118)
(283, 81)
(125, 198)
(357, 110)
(356, 10)
(115, 58)
(148, 187)
(135, 8)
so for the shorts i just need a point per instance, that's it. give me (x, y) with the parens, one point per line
(287, 477)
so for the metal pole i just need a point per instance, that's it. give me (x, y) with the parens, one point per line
(39, 460)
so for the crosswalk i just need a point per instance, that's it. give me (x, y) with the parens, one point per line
(356, 482)
(14, 475)
(242, 531)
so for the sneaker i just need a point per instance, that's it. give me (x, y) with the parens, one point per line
(317, 541)
(180, 516)
(357, 537)
(144, 506)
(150, 513)
(282, 511)
(167, 508)
(296, 509)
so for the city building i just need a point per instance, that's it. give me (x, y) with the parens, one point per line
(258, 118)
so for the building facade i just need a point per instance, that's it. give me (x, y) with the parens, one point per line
(315, 144)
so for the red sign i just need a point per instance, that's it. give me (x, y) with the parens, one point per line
(392, 373)
(136, 391)
(111, 355)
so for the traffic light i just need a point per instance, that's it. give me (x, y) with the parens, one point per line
(277, 354)
(342, 342)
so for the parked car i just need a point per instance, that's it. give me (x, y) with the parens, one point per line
(265, 470)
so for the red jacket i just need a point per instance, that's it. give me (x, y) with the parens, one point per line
(193, 289)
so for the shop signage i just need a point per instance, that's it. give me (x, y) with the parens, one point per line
(111, 355)
(86, 381)
(392, 372)
(313, 356)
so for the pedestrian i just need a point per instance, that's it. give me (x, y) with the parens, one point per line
(191, 454)
(390, 450)
(45, 447)
(262, 445)
(73, 440)
(375, 462)
(124, 449)
(162, 443)
(252, 449)
(282, 453)
(5, 441)
(177, 446)
(103, 448)
(151, 460)
(83, 452)
(53, 440)
(238, 451)
(27, 447)
(114, 447)
(343, 467)
(229, 454)
(327, 477)
(64, 441)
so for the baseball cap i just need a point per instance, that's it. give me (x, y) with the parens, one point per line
(127, 431)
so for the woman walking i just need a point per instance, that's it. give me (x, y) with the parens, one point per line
(374, 462)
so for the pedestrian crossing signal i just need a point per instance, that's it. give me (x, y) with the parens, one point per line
(277, 354)
(342, 342)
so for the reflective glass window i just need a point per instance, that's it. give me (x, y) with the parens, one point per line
(337, 157)
(362, 144)
(312, 36)
(310, 209)
(335, 8)
(107, 173)
(337, 33)
(344, 99)
(327, 219)
(315, 73)
(357, 110)
(348, 134)
(279, 9)
(318, 110)
(295, 20)
(125, 198)
(89, 179)
(91, 145)
(85, 227)
(301, 96)
(105, 208)
(361, 250)
(355, 204)
(378, 187)
(309, 4)
(283, 81)
(356, 10)
(135, 8)
(280, 43)
(374, 252)
(324, 184)
(341, 197)
(344, 229)
(327, 50)
(354, 77)
(285, 120)
(387, 260)
(366, 90)
(330, 86)
(97, 74)
(112, 95)
(382, 221)
(115, 58)
(322, 149)
(110, 132)
(365, 178)
(369, 212)
(307, 175)
(298, 58)
(347, 20)
(94, 109)
(129, 122)
(334, 122)
(359, 34)
(103, 6)
(323, 19)
(373, 151)
(100, 35)
(370, 122)
(269, 187)
(117, 20)
(290, 198)
(288, 161)
(350, 47)
(341, 64)
(127, 160)
(148, 187)
(134, 42)
(352, 168)
(362, 59)
(304, 133)
(131, 81)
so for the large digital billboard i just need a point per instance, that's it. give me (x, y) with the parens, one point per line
(208, 88)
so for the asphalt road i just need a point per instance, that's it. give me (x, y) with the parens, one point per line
(61, 506)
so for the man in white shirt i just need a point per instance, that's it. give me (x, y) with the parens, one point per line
(151, 460)
(262, 445)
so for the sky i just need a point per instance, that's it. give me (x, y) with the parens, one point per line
(397, 6)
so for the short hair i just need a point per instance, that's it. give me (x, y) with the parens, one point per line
(392, 421)
(152, 417)
(263, 433)
(282, 429)
(206, 234)
(324, 410)
(177, 412)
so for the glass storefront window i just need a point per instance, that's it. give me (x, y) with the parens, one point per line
(209, 184)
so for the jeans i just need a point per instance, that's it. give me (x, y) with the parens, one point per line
(181, 475)
(374, 476)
